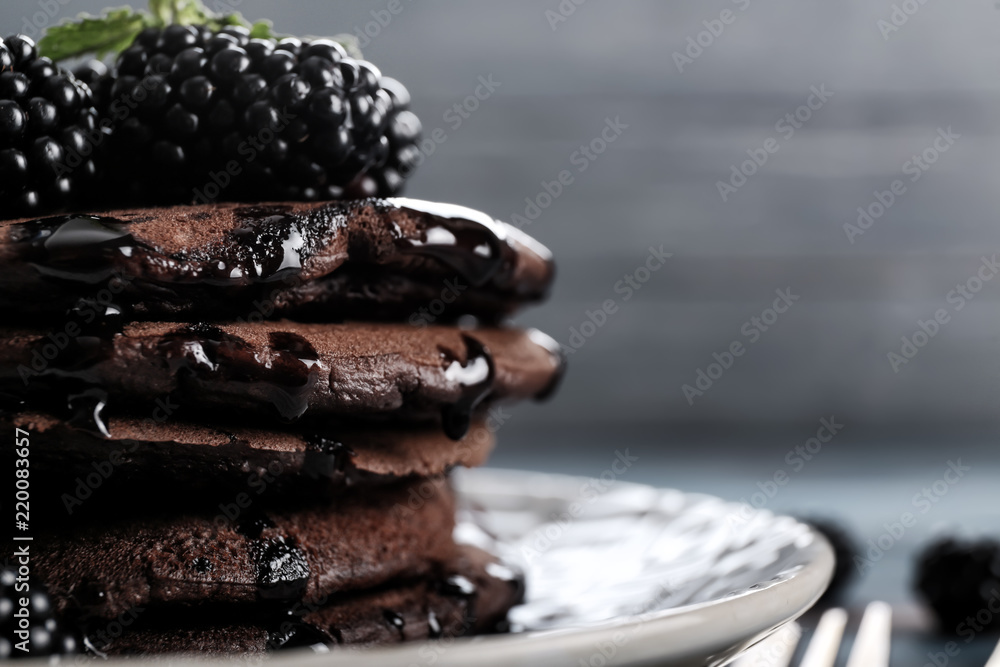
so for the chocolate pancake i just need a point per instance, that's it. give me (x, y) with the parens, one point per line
(284, 369)
(169, 462)
(470, 595)
(321, 261)
(245, 552)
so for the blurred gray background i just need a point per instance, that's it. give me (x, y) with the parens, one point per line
(893, 91)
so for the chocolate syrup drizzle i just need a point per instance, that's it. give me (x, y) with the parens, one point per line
(434, 630)
(472, 243)
(89, 249)
(201, 352)
(270, 245)
(280, 566)
(395, 621)
(326, 458)
(293, 632)
(79, 248)
(475, 378)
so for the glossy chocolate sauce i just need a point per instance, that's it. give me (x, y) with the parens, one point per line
(280, 566)
(293, 632)
(87, 411)
(282, 570)
(63, 379)
(268, 247)
(326, 458)
(265, 251)
(544, 340)
(458, 586)
(395, 620)
(201, 565)
(470, 242)
(434, 630)
(203, 352)
(76, 248)
(475, 377)
(252, 526)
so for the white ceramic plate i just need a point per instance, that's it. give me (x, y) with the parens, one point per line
(621, 574)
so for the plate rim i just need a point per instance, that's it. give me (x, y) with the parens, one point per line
(688, 630)
(679, 626)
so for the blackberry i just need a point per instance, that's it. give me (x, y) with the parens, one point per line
(221, 115)
(959, 581)
(48, 132)
(97, 77)
(844, 548)
(46, 636)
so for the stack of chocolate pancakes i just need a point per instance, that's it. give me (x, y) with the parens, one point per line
(242, 417)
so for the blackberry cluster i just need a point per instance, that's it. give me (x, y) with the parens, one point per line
(959, 580)
(49, 134)
(218, 115)
(45, 635)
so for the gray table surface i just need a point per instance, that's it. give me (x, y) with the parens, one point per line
(864, 477)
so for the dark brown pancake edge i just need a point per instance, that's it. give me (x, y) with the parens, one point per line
(433, 608)
(277, 372)
(355, 259)
(246, 552)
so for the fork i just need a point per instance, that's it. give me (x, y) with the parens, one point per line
(871, 647)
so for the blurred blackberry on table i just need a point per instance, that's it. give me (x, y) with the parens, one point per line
(223, 116)
(46, 636)
(960, 580)
(49, 136)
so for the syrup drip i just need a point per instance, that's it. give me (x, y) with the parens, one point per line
(281, 568)
(475, 378)
(458, 586)
(96, 319)
(253, 526)
(90, 249)
(268, 249)
(87, 409)
(79, 248)
(395, 620)
(201, 565)
(472, 243)
(293, 632)
(434, 630)
(558, 355)
(326, 458)
(200, 351)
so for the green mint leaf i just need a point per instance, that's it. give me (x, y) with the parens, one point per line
(262, 30)
(190, 12)
(229, 19)
(109, 33)
(162, 10)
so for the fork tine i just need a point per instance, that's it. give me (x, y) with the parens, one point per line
(871, 648)
(775, 651)
(822, 649)
(994, 660)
